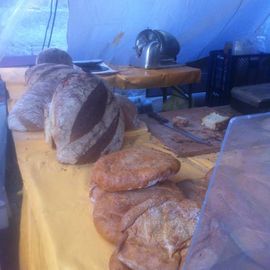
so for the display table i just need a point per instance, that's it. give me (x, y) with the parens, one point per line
(57, 231)
(131, 77)
(139, 78)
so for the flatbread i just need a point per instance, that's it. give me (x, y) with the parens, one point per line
(109, 208)
(155, 238)
(133, 168)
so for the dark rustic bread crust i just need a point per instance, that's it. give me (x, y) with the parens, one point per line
(133, 168)
(47, 72)
(86, 121)
(28, 113)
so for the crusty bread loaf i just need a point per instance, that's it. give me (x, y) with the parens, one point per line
(133, 168)
(46, 72)
(28, 112)
(54, 55)
(129, 112)
(86, 121)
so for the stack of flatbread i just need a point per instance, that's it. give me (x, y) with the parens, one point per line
(136, 207)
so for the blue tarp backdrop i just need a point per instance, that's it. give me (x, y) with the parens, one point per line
(107, 29)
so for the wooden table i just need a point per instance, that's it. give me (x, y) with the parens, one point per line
(57, 230)
(139, 78)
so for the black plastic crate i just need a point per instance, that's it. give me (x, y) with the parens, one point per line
(226, 71)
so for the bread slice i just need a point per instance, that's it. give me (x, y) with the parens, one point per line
(215, 121)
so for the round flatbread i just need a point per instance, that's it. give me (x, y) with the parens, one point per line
(110, 207)
(133, 168)
(157, 236)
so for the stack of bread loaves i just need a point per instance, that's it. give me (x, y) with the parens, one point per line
(82, 118)
(136, 207)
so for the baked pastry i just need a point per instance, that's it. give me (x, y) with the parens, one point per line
(86, 121)
(28, 112)
(133, 168)
(155, 238)
(54, 55)
(110, 207)
(129, 112)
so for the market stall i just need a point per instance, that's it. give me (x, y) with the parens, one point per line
(57, 230)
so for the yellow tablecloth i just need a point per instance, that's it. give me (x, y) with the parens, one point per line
(57, 231)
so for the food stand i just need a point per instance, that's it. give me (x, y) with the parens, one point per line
(57, 231)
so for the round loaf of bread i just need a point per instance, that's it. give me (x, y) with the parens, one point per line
(86, 121)
(46, 72)
(133, 168)
(54, 55)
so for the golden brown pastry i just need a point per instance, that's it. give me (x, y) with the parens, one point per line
(133, 168)
(110, 207)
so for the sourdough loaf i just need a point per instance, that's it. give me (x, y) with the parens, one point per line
(133, 168)
(54, 55)
(28, 112)
(86, 121)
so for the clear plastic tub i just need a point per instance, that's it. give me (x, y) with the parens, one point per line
(234, 227)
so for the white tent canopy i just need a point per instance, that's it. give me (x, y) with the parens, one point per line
(107, 29)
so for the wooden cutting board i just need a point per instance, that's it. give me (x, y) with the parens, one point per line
(183, 146)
